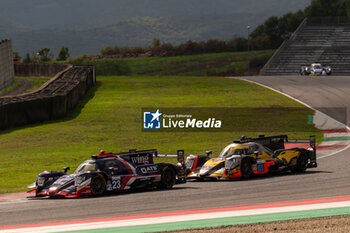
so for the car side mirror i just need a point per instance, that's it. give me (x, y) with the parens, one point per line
(209, 152)
(181, 156)
(111, 170)
(65, 169)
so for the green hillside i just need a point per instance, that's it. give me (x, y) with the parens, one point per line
(86, 26)
(198, 65)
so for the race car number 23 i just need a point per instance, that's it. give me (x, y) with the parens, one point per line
(116, 184)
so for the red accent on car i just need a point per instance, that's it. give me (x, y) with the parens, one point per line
(30, 191)
(103, 154)
(126, 165)
(236, 174)
(121, 153)
(195, 163)
(125, 180)
(67, 194)
(85, 191)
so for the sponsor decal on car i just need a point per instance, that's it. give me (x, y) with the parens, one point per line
(260, 167)
(140, 159)
(149, 169)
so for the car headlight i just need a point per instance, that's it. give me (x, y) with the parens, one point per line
(53, 189)
(40, 181)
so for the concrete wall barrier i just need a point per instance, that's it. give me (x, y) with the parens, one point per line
(52, 101)
(6, 64)
(38, 69)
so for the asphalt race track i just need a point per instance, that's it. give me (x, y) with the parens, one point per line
(330, 179)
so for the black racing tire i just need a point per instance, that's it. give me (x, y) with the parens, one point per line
(246, 169)
(98, 185)
(168, 178)
(302, 162)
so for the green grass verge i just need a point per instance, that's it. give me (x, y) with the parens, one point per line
(192, 65)
(38, 81)
(14, 84)
(109, 118)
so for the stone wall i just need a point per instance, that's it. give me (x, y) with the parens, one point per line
(38, 69)
(53, 100)
(6, 64)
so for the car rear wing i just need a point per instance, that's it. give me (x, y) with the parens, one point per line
(271, 142)
(138, 157)
(180, 156)
(278, 142)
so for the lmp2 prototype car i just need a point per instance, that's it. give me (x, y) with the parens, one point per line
(249, 156)
(110, 172)
(315, 69)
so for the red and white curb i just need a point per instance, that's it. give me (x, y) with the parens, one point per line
(336, 135)
(182, 216)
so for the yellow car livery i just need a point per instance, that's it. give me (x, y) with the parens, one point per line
(248, 156)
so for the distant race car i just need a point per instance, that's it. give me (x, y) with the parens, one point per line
(250, 156)
(108, 172)
(315, 69)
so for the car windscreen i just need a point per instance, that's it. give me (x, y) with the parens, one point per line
(317, 67)
(232, 151)
(89, 165)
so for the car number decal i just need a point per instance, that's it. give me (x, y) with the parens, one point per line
(260, 167)
(116, 184)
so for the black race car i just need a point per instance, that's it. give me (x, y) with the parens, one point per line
(110, 172)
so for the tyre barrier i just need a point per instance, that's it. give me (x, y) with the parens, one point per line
(52, 101)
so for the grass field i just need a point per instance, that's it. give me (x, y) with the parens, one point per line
(196, 65)
(38, 81)
(109, 118)
(9, 88)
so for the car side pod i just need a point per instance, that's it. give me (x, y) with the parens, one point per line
(181, 167)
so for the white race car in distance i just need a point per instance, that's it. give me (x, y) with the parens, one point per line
(315, 69)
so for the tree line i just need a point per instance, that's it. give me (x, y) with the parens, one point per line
(42, 55)
(188, 48)
(268, 35)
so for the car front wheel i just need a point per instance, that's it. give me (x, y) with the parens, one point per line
(98, 185)
(246, 169)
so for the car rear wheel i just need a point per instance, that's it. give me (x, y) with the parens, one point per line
(246, 169)
(168, 178)
(301, 166)
(98, 185)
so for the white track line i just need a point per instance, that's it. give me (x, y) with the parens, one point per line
(179, 218)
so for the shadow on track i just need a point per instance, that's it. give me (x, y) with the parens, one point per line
(263, 176)
(116, 193)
